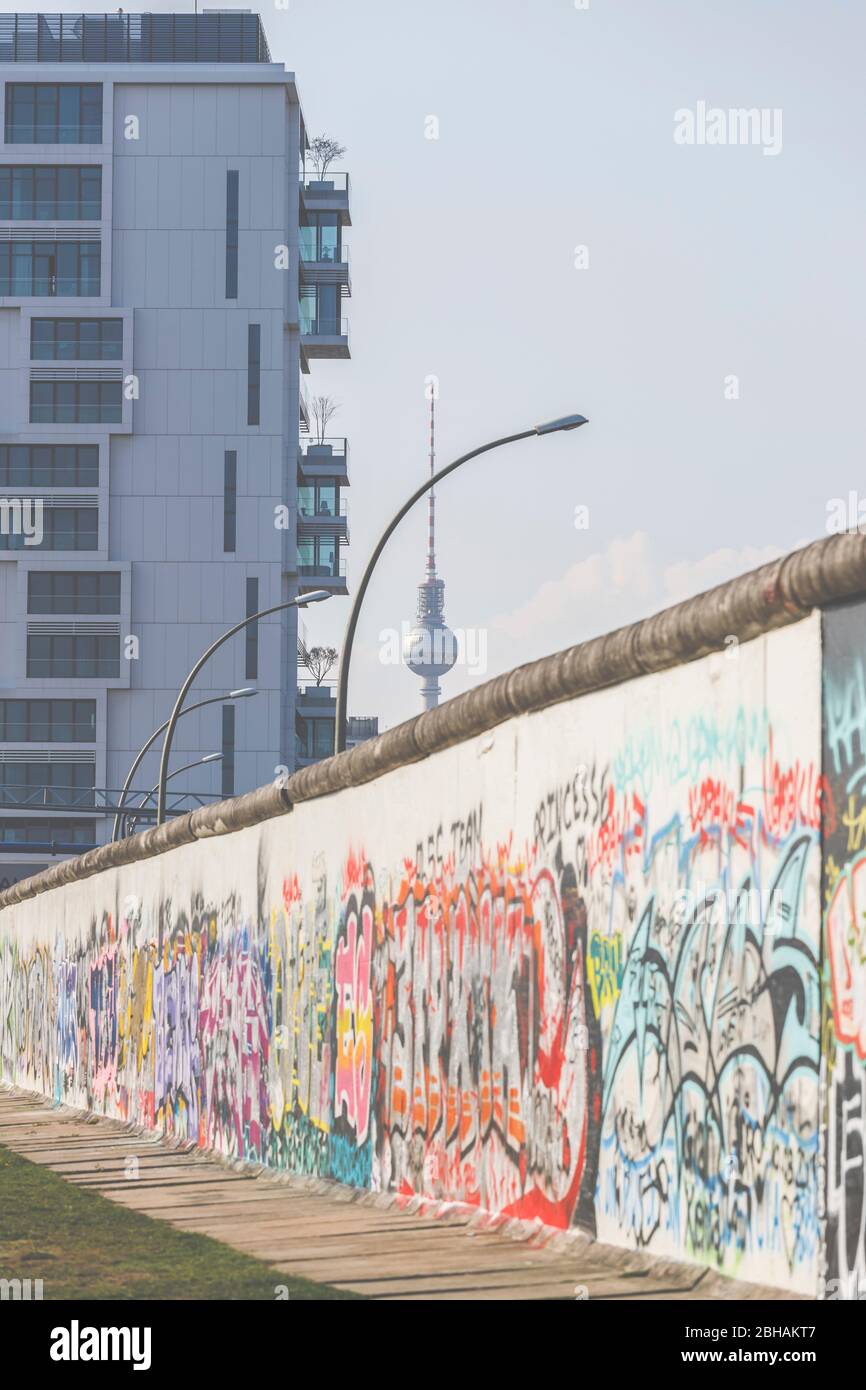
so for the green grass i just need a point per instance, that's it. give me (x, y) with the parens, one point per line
(83, 1246)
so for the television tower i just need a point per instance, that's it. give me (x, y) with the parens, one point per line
(430, 647)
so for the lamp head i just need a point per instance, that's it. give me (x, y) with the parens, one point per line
(315, 596)
(212, 758)
(566, 422)
(243, 694)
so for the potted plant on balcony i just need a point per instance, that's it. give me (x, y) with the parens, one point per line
(323, 408)
(323, 150)
(317, 660)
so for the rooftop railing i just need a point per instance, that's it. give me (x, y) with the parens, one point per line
(133, 38)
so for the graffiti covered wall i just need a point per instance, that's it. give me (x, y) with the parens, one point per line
(568, 970)
(844, 1051)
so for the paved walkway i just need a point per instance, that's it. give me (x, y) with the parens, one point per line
(361, 1241)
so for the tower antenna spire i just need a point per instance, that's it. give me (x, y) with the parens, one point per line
(431, 501)
(430, 647)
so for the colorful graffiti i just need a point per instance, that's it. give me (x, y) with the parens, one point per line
(711, 1079)
(844, 884)
(604, 1015)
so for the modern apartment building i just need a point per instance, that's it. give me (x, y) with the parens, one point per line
(169, 272)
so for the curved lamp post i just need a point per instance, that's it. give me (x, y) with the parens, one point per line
(245, 693)
(197, 762)
(316, 596)
(567, 422)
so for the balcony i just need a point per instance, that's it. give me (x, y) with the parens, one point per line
(323, 336)
(316, 701)
(315, 721)
(329, 575)
(323, 264)
(324, 458)
(320, 519)
(328, 194)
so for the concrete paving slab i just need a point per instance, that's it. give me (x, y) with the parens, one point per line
(384, 1247)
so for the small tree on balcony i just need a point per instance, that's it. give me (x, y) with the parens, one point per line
(324, 409)
(318, 661)
(323, 151)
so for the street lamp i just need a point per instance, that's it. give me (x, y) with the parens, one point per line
(566, 422)
(316, 596)
(245, 693)
(197, 762)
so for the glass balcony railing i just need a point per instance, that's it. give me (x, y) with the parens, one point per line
(320, 450)
(314, 249)
(324, 185)
(323, 326)
(321, 510)
(333, 569)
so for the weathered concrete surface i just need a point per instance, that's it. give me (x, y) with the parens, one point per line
(372, 1244)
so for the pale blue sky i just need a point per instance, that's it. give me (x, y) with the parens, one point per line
(556, 129)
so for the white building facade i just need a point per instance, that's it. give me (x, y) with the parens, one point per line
(167, 274)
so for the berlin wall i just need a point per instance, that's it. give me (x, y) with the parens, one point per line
(602, 965)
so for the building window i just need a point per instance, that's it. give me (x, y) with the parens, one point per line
(252, 631)
(63, 528)
(54, 836)
(320, 312)
(49, 269)
(321, 498)
(228, 751)
(53, 113)
(320, 239)
(84, 656)
(254, 372)
(322, 737)
(52, 784)
(69, 340)
(49, 465)
(314, 738)
(51, 192)
(231, 234)
(230, 500)
(318, 556)
(73, 591)
(76, 402)
(47, 721)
